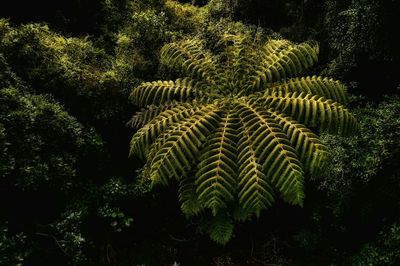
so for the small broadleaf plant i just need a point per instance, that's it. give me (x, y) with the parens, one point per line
(234, 132)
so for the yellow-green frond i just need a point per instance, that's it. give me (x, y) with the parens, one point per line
(278, 159)
(325, 87)
(143, 117)
(190, 204)
(180, 146)
(310, 150)
(145, 136)
(288, 62)
(274, 46)
(241, 60)
(312, 110)
(255, 190)
(216, 175)
(192, 58)
(162, 92)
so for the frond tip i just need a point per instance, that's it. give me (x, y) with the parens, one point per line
(162, 92)
(282, 59)
(190, 56)
(325, 87)
(313, 110)
(220, 229)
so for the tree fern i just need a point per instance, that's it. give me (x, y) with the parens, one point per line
(233, 133)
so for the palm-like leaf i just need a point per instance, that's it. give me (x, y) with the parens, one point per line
(216, 175)
(162, 92)
(240, 118)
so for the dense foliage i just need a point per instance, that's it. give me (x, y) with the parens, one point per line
(71, 196)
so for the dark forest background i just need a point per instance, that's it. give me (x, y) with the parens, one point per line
(69, 193)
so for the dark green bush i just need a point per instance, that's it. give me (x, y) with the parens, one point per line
(73, 70)
(359, 160)
(42, 143)
(13, 249)
(383, 251)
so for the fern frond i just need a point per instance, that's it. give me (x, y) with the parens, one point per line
(221, 229)
(191, 57)
(275, 46)
(190, 204)
(240, 59)
(216, 175)
(162, 92)
(279, 64)
(325, 87)
(312, 110)
(145, 136)
(255, 190)
(310, 150)
(143, 117)
(240, 214)
(279, 160)
(180, 146)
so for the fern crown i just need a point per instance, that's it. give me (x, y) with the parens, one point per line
(234, 132)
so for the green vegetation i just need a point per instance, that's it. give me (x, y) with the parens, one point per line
(239, 126)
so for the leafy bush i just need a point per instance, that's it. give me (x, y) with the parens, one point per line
(69, 236)
(384, 251)
(359, 47)
(71, 69)
(13, 248)
(356, 161)
(42, 143)
(352, 32)
(138, 43)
